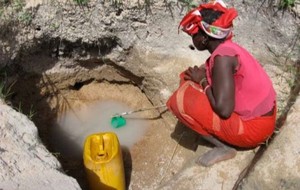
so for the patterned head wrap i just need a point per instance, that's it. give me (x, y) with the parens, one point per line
(219, 29)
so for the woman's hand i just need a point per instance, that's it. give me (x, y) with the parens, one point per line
(195, 73)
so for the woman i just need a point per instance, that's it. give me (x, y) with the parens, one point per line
(230, 100)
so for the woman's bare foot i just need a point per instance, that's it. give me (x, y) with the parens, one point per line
(215, 155)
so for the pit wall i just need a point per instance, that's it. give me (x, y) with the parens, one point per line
(25, 161)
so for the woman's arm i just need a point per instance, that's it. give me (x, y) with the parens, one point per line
(221, 94)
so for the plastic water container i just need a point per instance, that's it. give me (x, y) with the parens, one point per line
(103, 162)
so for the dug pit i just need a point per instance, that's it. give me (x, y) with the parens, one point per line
(68, 106)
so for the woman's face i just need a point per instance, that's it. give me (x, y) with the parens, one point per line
(200, 41)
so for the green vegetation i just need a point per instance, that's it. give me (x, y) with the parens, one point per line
(5, 87)
(116, 3)
(19, 108)
(286, 4)
(54, 26)
(81, 2)
(17, 11)
(281, 5)
(18, 5)
(5, 91)
(25, 17)
(4, 3)
(31, 113)
(189, 4)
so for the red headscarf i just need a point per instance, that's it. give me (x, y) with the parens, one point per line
(221, 28)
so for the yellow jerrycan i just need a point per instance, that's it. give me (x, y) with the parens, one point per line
(103, 162)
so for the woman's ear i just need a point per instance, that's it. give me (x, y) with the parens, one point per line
(205, 40)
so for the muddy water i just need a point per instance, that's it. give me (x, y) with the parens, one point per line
(70, 131)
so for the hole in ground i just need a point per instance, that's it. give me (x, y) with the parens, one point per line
(66, 116)
(49, 81)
